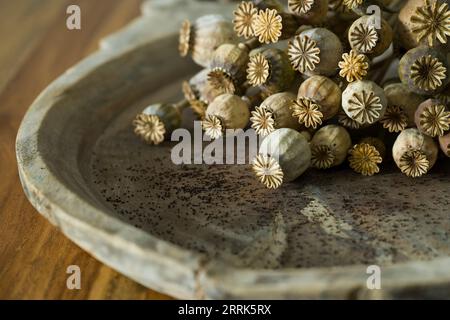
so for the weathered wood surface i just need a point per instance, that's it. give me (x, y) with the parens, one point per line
(36, 49)
(216, 233)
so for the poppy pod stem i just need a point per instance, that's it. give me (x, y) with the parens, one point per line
(181, 105)
(250, 44)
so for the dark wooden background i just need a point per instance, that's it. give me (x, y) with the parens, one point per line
(36, 48)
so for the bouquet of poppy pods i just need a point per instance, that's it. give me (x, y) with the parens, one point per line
(326, 81)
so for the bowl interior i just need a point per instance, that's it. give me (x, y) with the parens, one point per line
(322, 219)
(330, 218)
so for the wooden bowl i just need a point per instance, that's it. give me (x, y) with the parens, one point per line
(198, 231)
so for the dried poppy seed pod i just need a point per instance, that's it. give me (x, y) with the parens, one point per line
(309, 11)
(364, 37)
(364, 101)
(424, 22)
(354, 66)
(315, 51)
(201, 87)
(329, 146)
(414, 153)
(401, 102)
(394, 119)
(274, 113)
(227, 111)
(244, 16)
(190, 88)
(444, 143)
(377, 143)
(424, 70)
(197, 105)
(432, 118)
(204, 36)
(406, 36)
(283, 156)
(157, 121)
(364, 159)
(318, 99)
(271, 25)
(365, 156)
(270, 69)
(353, 4)
(229, 67)
(199, 93)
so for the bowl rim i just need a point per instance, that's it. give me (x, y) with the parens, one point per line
(201, 276)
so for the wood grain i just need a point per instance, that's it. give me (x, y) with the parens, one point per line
(34, 255)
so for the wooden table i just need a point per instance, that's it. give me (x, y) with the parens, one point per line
(37, 47)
